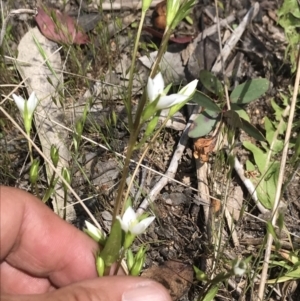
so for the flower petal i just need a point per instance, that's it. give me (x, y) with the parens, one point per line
(20, 102)
(32, 103)
(142, 225)
(239, 269)
(159, 82)
(150, 89)
(124, 226)
(189, 89)
(170, 100)
(155, 87)
(129, 216)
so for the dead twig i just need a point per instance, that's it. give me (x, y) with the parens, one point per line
(170, 173)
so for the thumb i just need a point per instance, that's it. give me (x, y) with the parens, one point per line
(112, 288)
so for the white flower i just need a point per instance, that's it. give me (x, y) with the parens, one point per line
(130, 223)
(155, 89)
(21, 103)
(239, 267)
(26, 108)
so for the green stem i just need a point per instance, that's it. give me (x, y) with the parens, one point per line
(125, 171)
(131, 72)
(30, 150)
(137, 122)
(161, 51)
(50, 188)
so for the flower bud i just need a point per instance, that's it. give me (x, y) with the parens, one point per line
(79, 127)
(100, 265)
(96, 234)
(66, 175)
(140, 254)
(137, 267)
(54, 154)
(200, 275)
(34, 171)
(129, 259)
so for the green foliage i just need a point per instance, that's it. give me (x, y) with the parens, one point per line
(249, 91)
(203, 124)
(266, 180)
(290, 267)
(251, 130)
(211, 293)
(211, 83)
(289, 18)
(236, 117)
(265, 157)
(113, 245)
(179, 13)
(205, 101)
(240, 111)
(34, 171)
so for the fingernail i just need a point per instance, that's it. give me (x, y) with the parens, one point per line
(145, 293)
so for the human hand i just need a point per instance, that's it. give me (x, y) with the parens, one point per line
(44, 258)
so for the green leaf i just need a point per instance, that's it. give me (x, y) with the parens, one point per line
(251, 130)
(280, 279)
(184, 10)
(242, 113)
(211, 83)
(203, 124)
(261, 190)
(260, 157)
(277, 145)
(249, 91)
(266, 185)
(211, 293)
(111, 251)
(278, 110)
(249, 166)
(149, 110)
(289, 6)
(233, 119)
(205, 101)
(296, 154)
(295, 273)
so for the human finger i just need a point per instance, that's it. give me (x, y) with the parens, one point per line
(36, 241)
(111, 288)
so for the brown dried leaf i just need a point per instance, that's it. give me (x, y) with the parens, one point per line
(160, 15)
(59, 27)
(175, 276)
(203, 147)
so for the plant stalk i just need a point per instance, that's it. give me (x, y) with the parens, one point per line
(131, 72)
